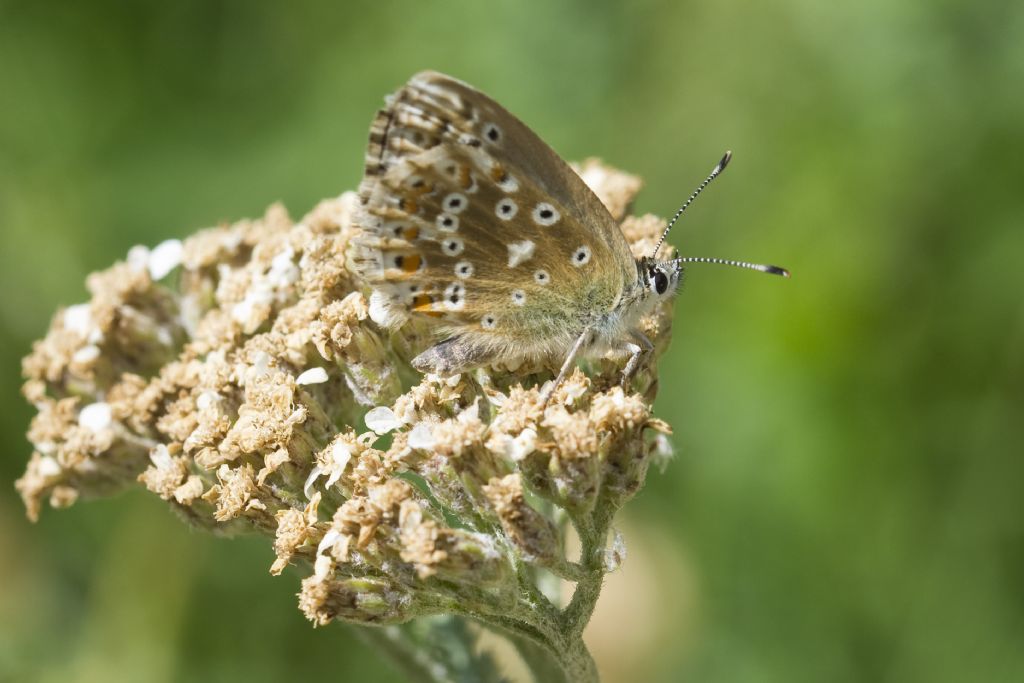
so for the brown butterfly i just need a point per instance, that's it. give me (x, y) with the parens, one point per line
(470, 219)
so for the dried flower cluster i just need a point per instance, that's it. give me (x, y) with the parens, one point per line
(237, 375)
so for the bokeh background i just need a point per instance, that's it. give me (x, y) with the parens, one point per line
(845, 503)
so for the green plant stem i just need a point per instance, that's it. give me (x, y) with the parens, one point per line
(436, 649)
(588, 586)
(402, 653)
(543, 665)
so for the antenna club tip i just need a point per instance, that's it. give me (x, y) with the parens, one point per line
(775, 270)
(726, 158)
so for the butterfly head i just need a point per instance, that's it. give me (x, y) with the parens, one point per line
(659, 279)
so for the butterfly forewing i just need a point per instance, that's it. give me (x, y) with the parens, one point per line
(468, 217)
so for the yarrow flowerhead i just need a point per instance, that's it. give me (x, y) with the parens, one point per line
(238, 375)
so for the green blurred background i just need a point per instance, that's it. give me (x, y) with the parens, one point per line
(845, 500)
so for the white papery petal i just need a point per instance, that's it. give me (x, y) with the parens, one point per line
(48, 467)
(78, 318)
(422, 437)
(164, 258)
(382, 420)
(340, 454)
(328, 540)
(161, 457)
(312, 376)
(322, 566)
(95, 416)
(307, 488)
(86, 354)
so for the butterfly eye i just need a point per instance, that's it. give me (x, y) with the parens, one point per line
(660, 282)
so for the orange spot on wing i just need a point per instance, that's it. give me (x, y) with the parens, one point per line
(424, 303)
(411, 263)
(420, 190)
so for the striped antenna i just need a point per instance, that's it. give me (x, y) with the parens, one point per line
(772, 270)
(707, 181)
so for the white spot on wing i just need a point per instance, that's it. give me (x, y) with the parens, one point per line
(519, 252)
(452, 246)
(492, 133)
(545, 214)
(455, 202)
(455, 296)
(506, 209)
(581, 256)
(447, 222)
(508, 184)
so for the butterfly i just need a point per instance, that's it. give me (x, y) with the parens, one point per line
(470, 220)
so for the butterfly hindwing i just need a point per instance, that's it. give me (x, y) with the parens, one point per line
(469, 218)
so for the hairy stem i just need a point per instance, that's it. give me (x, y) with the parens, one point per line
(588, 587)
(401, 652)
(543, 664)
(435, 649)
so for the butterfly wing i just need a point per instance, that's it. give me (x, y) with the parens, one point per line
(469, 218)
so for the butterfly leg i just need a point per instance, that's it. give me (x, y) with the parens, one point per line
(638, 348)
(570, 360)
